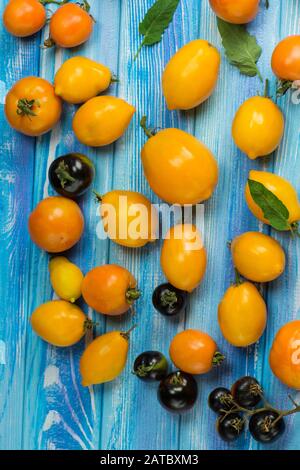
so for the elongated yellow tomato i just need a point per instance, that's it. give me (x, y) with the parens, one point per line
(179, 168)
(102, 120)
(258, 127)
(66, 278)
(191, 75)
(80, 79)
(278, 186)
(60, 323)
(183, 257)
(242, 315)
(104, 359)
(128, 218)
(257, 256)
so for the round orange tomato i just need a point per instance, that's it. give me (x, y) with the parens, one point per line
(56, 224)
(285, 355)
(110, 289)
(31, 106)
(23, 18)
(286, 58)
(194, 352)
(235, 11)
(70, 26)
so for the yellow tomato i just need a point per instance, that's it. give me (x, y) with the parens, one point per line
(104, 359)
(66, 278)
(258, 127)
(278, 186)
(242, 315)
(102, 120)
(179, 168)
(191, 75)
(80, 79)
(60, 323)
(128, 218)
(183, 257)
(258, 257)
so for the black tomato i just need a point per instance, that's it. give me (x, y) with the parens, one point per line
(178, 392)
(220, 399)
(262, 427)
(247, 392)
(150, 365)
(168, 300)
(230, 426)
(71, 175)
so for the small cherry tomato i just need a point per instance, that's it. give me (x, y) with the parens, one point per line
(183, 257)
(285, 354)
(151, 365)
(66, 278)
(178, 392)
(235, 11)
(179, 168)
(194, 352)
(279, 186)
(31, 106)
(263, 427)
(24, 18)
(110, 289)
(60, 323)
(191, 75)
(286, 59)
(230, 427)
(56, 224)
(80, 79)
(220, 399)
(247, 392)
(258, 127)
(70, 26)
(258, 257)
(168, 300)
(242, 315)
(102, 120)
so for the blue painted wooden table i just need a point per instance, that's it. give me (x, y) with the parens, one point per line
(42, 403)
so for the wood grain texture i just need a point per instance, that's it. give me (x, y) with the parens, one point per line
(42, 404)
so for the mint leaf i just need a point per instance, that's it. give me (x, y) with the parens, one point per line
(156, 21)
(240, 47)
(273, 208)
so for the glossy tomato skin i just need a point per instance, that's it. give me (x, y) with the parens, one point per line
(220, 399)
(285, 355)
(191, 75)
(262, 428)
(150, 366)
(179, 168)
(247, 392)
(56, 224)
(183, 257)
(235, 11)
(286, 58)
(24, 18)
(70, 26)
(193, 351)
(46, 106)
(107, 289)
(168, 300)
(230, 427)
(178, 392)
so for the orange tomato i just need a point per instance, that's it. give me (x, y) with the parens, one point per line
(194, 352)
(56, 224)
(23, 18)
(285, 355)
(110, 289)
(286, 58)
(31, 106)
(70, 26)
(235, 11)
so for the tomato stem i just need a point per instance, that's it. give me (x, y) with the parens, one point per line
(148, 131)
(55, 2)
(48, 43)
(238, 279)
(98, 196)
(132, 294)
(24, 107)
(62, 172)
(89, 325)
(266, 90)
(126, 334)
(218, 359)
(168, 298)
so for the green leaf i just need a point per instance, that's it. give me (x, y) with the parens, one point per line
(273, 208)
(156, 21)
(240, 47)
(283, 87)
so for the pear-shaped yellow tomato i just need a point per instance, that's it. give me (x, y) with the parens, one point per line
(191, 75)
(80, 79)
(278, 186)
(242, 315)
(102, 120)
(235, 11)
(104, 359)
(128, 218)
(179, 168)
(258, 257)
(183, 257)
(258, 127)
(66, 278)
(60, 323)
